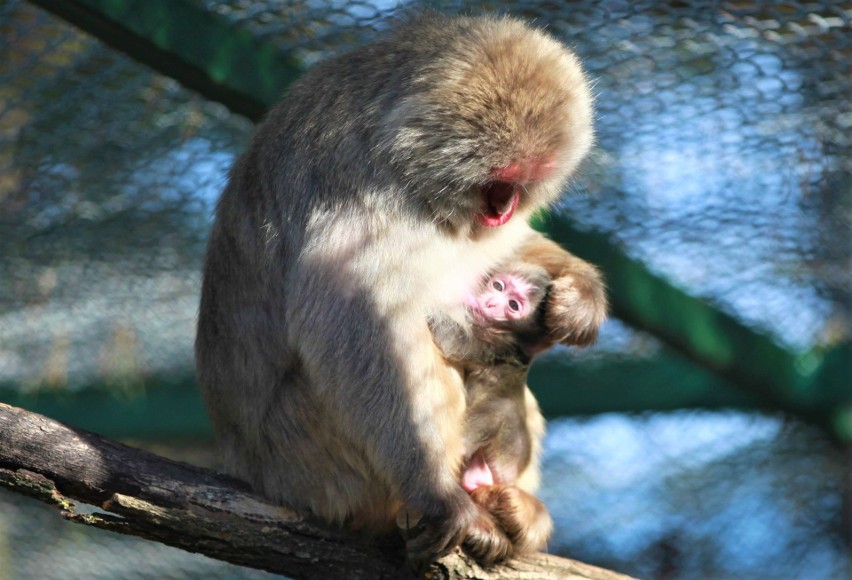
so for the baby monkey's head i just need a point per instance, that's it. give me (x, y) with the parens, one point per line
(511, 300)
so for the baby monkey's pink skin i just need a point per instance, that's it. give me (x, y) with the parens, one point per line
(504, 297)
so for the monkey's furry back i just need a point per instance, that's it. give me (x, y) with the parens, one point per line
(349, 219)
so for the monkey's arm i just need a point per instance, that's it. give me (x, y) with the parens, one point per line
(577, 304)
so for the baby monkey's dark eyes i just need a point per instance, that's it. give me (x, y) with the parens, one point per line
(497, 285)
(514, 305)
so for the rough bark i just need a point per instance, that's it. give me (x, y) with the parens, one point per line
(198, 510)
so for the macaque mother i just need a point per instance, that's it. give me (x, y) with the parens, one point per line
(380, 191)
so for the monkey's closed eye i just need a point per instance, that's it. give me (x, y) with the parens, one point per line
(498, 285)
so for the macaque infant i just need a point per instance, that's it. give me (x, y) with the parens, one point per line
(376, 195)
(503, 425)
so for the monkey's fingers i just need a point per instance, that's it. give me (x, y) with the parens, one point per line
(522, 516)
(486, 542)
(436, 534)
(576, 307)
(427, 543)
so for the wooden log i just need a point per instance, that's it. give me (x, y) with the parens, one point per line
(198, 510)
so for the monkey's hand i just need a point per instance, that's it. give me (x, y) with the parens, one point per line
(458, 522)
(522, 516)
(576, 305)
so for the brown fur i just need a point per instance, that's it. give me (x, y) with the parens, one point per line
(503, 425)
(521, 516)
(350, 219)
(576, 285)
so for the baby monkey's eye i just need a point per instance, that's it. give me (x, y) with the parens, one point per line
(497, 285)
(514, 305)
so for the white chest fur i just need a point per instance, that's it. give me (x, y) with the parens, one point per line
(401, 262)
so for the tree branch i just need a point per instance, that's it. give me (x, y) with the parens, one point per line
(141, 494)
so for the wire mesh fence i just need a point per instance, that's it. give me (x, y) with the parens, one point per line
(723, 162)
(723, 128)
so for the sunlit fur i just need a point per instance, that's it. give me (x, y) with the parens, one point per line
(350, 219)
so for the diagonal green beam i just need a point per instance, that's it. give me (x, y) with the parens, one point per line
(203, 51)
(199, 48)
(814, 384)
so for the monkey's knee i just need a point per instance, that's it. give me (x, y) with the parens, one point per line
(523, 517)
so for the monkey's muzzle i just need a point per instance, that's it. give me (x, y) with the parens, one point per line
(501, 200)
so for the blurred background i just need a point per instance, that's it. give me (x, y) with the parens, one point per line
(707, 435)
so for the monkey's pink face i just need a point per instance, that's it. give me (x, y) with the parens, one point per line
(505, 297)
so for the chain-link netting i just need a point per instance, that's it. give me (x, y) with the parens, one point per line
(724, 132)
(109, 173)
(723, 162)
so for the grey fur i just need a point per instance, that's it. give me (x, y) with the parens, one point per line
(340, 230)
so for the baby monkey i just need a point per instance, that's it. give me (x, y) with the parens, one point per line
(503, 426)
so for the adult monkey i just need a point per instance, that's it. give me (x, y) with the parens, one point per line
(382, 188)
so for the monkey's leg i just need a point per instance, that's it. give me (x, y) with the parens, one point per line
(529, 474)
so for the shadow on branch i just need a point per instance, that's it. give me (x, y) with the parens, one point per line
(198, 510)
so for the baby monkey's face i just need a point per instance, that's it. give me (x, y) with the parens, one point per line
(504, 297)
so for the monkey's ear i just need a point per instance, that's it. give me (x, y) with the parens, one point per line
(576, 308)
